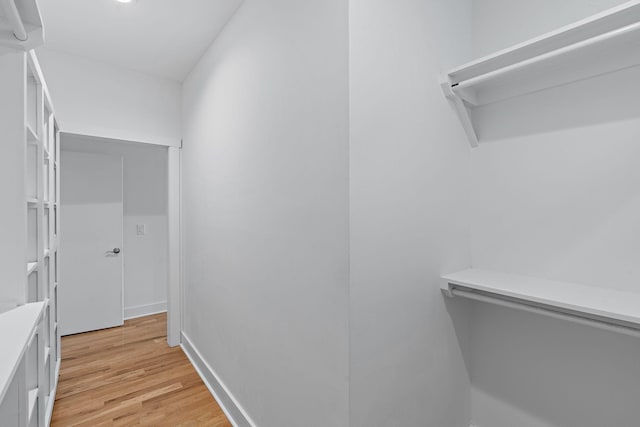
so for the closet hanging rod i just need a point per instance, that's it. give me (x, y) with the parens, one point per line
(473, 81)
(15, 21)
(549, 311)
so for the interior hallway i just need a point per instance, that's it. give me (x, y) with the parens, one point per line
(128, 376)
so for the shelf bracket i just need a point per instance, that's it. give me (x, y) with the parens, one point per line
(14, 19)
(463, 112)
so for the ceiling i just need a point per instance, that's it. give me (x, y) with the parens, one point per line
(160, 37)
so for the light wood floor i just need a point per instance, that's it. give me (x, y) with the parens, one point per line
(128, 376)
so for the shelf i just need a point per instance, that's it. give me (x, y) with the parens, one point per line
(27, 14)
(16, 329)
(602, 44)
(32, 137)
(606, 308)
(32, 232)
(33, 400)
(31, 267)
(34, 292)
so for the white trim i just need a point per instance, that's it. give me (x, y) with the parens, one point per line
(174, 254)
(232, 409)
(144, 310)
(122, 256)
(116, 134)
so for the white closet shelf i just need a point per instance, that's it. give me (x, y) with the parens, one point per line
(604, 43)
(33, 399)
(17, 327)
(32, 137)
(31, 267)
(604, 308)
(20, 24)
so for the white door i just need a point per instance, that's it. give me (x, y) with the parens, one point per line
(91, 275)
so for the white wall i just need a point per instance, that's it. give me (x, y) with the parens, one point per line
(555, 195)
(145, 202)
(266, 210)
(98, 99)
(409, 170)
(13, 223)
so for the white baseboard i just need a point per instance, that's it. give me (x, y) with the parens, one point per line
(234, 412)
(144, 310)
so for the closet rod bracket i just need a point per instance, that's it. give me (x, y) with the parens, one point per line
(462, 109)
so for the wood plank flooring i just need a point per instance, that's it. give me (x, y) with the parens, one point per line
(128, 376)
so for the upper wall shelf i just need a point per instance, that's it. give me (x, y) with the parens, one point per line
(602, 308)
(604, 43)
(20, 24)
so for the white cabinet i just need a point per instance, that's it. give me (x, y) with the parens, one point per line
(29, 219)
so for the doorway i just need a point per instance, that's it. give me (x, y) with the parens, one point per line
(142, 250)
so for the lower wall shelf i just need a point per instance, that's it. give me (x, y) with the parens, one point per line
(33, 400)
(603, 308)
(31, 267)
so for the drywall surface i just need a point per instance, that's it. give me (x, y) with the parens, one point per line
(98, 99)
(145, 265)
(561, 205)
(534, 371)
(13, 222)
(145, 203)
(555, 195)
(409, 171)
(265, 169)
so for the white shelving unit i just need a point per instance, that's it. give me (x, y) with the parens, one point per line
(602, 308)
(32, 153)
(19, 364)
(604, 43)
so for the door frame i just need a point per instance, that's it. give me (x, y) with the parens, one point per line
(174, 259)
(174, 224)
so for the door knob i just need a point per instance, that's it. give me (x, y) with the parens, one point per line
(114, 251)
